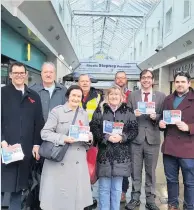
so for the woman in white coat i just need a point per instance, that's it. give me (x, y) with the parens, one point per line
(66, 185)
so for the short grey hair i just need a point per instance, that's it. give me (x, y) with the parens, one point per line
(48, 63)
(81, 75)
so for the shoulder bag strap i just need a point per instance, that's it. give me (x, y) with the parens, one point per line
(75, 116)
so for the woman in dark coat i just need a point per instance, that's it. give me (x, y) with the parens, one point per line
(21, 122)
(113, 161)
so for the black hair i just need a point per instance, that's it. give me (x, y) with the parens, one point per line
(17, 64)
(72, 87)
(145, 71)
(183, 74)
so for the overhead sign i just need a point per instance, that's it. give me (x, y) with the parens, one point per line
(108, 67)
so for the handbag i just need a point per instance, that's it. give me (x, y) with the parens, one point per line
(92, 163)
(51, 151)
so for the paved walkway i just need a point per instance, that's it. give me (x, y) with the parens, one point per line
(161, 190)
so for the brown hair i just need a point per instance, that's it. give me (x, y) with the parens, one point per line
(145, 71)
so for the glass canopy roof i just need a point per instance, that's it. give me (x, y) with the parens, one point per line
(106, 27)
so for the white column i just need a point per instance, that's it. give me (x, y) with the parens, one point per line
(164, 81)
(61, 68)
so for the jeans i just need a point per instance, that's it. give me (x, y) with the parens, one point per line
(110, 190)
(125, 184)
(171, 168)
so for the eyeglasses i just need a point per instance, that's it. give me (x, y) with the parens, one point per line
(120, 77)
(18, 73)
(148, 78)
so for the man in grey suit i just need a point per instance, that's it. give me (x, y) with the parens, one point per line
(145, 148)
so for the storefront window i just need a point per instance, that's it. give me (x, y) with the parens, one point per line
(4, 74)
(33, 76)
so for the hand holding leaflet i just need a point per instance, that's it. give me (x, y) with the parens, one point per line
(112, 127)
(12, 153)
(172, 116)
(146, 107)
(80, 133)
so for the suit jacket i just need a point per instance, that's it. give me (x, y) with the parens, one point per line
(176, 142)
(148, 128)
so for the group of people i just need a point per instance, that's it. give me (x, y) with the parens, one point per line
(45, 112)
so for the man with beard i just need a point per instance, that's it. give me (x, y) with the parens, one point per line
(178, 146)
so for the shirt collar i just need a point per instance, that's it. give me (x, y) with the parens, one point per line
(142, 92)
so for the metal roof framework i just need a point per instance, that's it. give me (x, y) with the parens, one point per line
(107, 26)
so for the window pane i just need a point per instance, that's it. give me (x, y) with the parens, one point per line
(169, 20)
(186, 8)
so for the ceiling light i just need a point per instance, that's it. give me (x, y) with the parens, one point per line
(57, 37)
(61, 57)
(188, 42)
(150, 69)
(70, 67)
(170, 60)
(50, 28)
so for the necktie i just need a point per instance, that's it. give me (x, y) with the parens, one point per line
(146, 97)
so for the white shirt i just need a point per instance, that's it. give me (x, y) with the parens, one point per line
(50, 89)
(149, 96)
(21, 89)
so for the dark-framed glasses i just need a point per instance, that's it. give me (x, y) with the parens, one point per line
(18, 73)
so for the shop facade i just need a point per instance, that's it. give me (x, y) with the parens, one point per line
(186, 65)
(14, 47)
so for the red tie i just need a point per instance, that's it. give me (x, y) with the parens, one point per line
(146, 97)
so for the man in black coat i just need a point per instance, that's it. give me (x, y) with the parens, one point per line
(21, 122)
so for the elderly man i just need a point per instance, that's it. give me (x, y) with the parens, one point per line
(21, 123)
(178, 146)
(51, 93)
(90, 102)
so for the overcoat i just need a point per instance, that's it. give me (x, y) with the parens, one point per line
(21, 122)
(65, 185)
(114, 159)
(176, 142)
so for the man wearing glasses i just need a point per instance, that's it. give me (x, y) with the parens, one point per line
(145, 148)
(121, 81)
(21, 123)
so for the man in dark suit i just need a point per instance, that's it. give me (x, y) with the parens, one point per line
(178, 146)
(21, 123)
(145, 148)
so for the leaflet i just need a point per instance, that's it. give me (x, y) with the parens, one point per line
(112, 127)
(79, 133)
(146, 107)
(12, 154)
(172, 116)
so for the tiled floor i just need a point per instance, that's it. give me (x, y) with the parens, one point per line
(161, 191)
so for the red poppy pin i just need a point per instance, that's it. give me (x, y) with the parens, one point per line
(31, 100)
